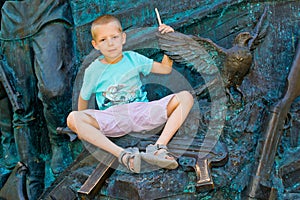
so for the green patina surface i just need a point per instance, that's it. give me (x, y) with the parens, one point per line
(221, 21)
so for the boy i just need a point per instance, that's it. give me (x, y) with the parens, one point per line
(124, 108)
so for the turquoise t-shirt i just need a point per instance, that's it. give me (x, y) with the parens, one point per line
(118, 83)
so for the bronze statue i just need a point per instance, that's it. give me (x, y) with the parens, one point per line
(237, 61)
(261, 186)
(36, 40)
(234, 63)
(8, 146)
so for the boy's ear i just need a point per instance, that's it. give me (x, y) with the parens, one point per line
(94, 44)
(124, 38)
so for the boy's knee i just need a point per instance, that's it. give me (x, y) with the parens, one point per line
(186, 97)
(71, 120)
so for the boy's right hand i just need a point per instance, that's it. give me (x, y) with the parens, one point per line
(163, 28)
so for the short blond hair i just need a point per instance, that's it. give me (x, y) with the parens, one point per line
(104, 19)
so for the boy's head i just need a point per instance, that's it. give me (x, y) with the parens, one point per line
(105, 19)
(108, 37)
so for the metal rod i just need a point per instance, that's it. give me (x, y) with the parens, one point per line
(158, 17)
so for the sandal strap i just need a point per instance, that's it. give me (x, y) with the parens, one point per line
(161, 146)
(164, 147)
(120, 158)
(130, 153)
(152, 156)
(153, 148)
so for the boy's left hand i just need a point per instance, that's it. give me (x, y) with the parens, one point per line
(165, 29)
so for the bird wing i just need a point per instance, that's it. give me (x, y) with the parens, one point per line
(199, 54)
(217, 52)
(260, 31)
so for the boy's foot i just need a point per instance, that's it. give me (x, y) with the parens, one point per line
(160, 156)
(131, 159)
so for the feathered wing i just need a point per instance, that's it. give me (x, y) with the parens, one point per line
(185, 49)
(217, 53)
(260, 30)
(198, 53)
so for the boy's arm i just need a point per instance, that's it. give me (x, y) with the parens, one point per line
(82, 104)
(165, 66)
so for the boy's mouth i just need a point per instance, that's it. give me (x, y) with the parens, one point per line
(111, 50)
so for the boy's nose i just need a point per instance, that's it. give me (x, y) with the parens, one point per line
(109, 42)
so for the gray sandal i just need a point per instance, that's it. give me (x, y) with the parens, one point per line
(131, 153)
(154, 157)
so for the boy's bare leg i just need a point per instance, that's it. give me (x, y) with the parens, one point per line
(87, 129)
(177, 110)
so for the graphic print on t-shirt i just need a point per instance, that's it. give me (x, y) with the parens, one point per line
(119, 94)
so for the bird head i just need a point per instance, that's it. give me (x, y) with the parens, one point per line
(242, 39)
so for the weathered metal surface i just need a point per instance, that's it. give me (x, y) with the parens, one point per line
(233, 63)
(191, 155)
(201, 157)
(290, 174)
(96, 180)
(69, 182)
(16, 189)
(220, 21)
(274, 130)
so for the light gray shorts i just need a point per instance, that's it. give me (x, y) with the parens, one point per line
(120, 120)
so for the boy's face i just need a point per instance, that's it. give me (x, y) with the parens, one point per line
(109, 41)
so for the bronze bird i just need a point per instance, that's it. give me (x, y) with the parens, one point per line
(202, 54)
(238, 61)
(234, 63)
